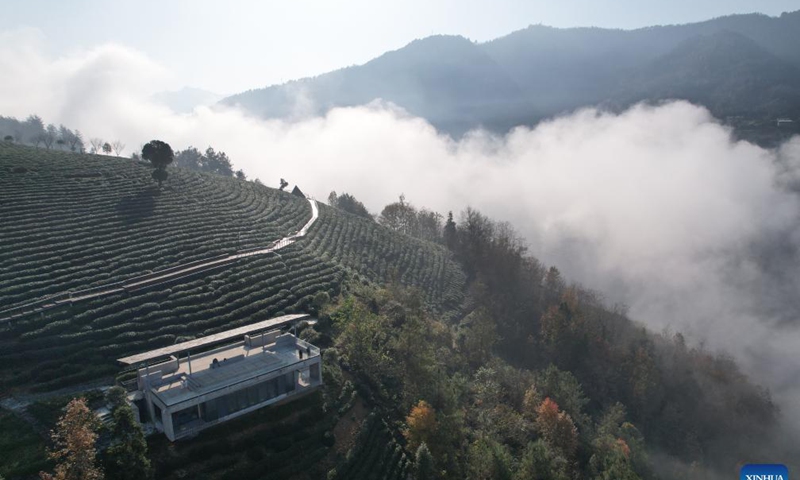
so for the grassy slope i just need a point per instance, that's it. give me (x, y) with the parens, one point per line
(75, 221)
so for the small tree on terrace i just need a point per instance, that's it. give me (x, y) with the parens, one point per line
(97, 144)
(160, 155)
(50, 136)
(284, 184)
(118, 147)
(75, 141)
(106, 148)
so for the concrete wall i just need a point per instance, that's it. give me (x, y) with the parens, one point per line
(314, 363)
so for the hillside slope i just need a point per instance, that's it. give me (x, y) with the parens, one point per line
(727, 72)
(447, 79)
(71, 222)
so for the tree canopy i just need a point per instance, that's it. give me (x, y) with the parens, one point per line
(349, 204)
(160, 155)
(209, 161)
(74, 445)
(126, 457)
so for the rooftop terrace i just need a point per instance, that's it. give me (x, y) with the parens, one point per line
(225, 367)
(211, 339)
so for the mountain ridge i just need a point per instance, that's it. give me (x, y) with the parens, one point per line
(531, 74)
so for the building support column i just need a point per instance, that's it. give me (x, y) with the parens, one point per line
(166, 420)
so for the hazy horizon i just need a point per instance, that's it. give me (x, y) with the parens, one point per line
(197, 43)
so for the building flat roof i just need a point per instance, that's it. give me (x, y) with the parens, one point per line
(237, 363)
(212, 339)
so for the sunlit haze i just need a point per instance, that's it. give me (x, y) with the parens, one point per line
(230, 46)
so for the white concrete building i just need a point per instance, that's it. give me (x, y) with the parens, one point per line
(188, 392)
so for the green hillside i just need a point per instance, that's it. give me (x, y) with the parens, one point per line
(505, 372)
(72, 222)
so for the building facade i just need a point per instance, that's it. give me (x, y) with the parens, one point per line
(190, 392)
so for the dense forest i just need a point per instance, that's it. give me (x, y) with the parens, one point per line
(539, 379)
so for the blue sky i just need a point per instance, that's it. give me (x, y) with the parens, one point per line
(232, 45)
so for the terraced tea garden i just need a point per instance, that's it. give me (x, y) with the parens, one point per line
(71, 222)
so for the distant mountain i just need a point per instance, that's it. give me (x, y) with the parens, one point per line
(447, 79)
(186, 99)
(727, 72)
(740, 63)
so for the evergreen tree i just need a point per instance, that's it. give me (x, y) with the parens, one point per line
(126, 458)
(539, 463)
(450, 233)
(423, 463)
(489, 460)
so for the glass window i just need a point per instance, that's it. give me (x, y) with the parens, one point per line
(252, 395)
(232, 403)
(182, 418)
(209, 411)
(289, 382)
(241, 399)
(272, 388)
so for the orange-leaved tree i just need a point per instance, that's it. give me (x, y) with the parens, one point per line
(74, 445)
(421, 425)
(557, 428)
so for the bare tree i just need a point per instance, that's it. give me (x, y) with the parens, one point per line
(97, 144)
(118, 147)
(64, 136)
(75, 141)
(38, 139)
(50, 136)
